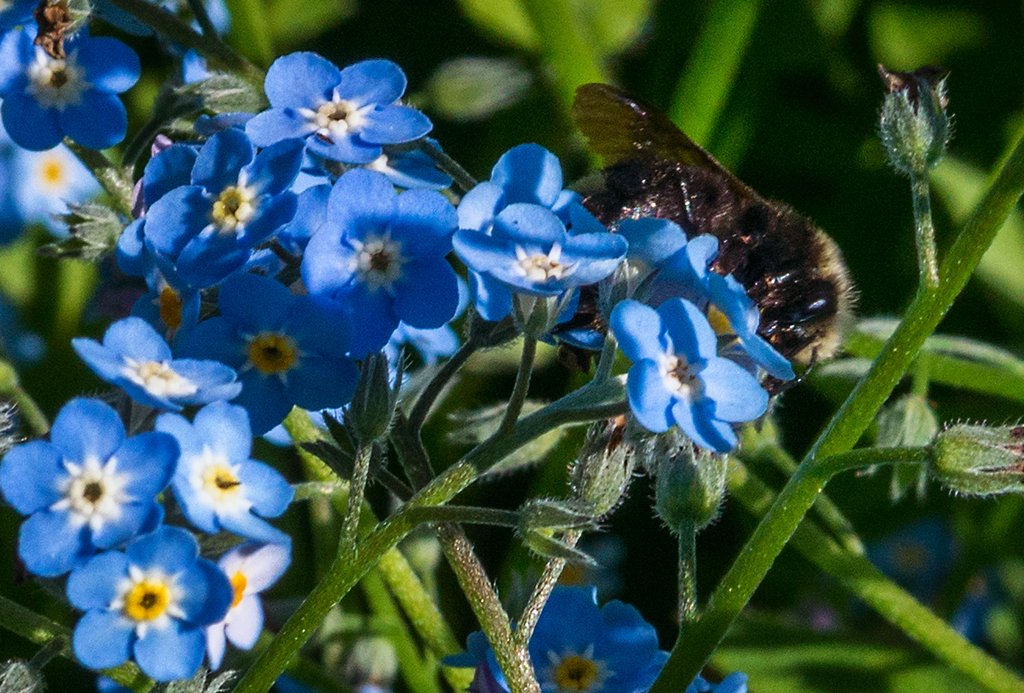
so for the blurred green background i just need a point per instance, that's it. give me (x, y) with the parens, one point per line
(784, 93)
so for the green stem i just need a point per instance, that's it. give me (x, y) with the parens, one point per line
(202, 17)
(10, 387)
(467, 515)
(609, 349)
(571, 54)
(181, 33)
(703, 636)
(418, 672)
(114, 181)
(712, 67)
(42, 631)
(356, 489)
(542, 590)
(691, 652)
(436, 386)
(522, 386)
(687, 613)
(251, 30)
(513, 657)
(453, 168)
(924, 231)
(856, 573)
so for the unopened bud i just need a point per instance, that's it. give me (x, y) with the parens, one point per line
(980, 460)
(914, 125)
(540, 518)
(690, 483)
(602, 474)
(373, 404)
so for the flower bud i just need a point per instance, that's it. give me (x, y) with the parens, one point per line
(690, 483)
(540, 518)
(373, 404)
(600, 477)
(914, 125)
(980, 460)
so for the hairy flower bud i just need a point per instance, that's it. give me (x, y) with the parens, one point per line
(373, 404)
(690, 483)
(913, 124)
(601, 475)
(980, 460)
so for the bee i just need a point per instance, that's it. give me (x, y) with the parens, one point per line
(792, 270)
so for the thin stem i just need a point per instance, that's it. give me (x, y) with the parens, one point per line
(436, 386)
(356, 489)
(453, 168)
(927, 260)
(522, 386)
(202, 17)
(861, 578)
(542, 590)
(181, 33)
(609, 349)
(687, 576)
(513, 658)
(466, 515)
(10, 387)
(114, 181)
(692, 651)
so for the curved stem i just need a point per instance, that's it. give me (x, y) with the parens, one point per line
(433, 390)
(542, 590)
(10, 386)
(453, 168)
(522, 386)
(114, 181)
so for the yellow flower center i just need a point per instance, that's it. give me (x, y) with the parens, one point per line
(238, 582)
(272, 352)
(234, 208)
(576, 674)
(147, 601)
(220, 481)
(51, 171)
(170, 308)
(719, 323)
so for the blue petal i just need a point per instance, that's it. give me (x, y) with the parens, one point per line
(276, 125)
(100, 121)
(87, 428)
(132, 257)
(529, 173)
(255, 303)
(371, 81)
(424, 221)
(103, 639)
(575, 606)
(30, 476)
(149, 460)
(652, 240)
(206, 593)
(275, 167)
(29, 125)
(95, 584)
(427, 295)
(347, 149)
(171, 548)
(252, 527)
(364, 197)
(225, 428)
(215, 338)
(479, 206)
(492, 298)
(735, 393)
(269, 492)
(638, 329)
(215, 380)
(531, 226)
(210, 257)
(373, 319)
(320, 326)
(221, 159)
(176, 218)
(109, 64)
(649, 399)
(167, 170)
(136, 339)
(131, 518)
(595, 256)
(263, 398)
(689, 330)
(322, 383)
(394, 125)
(701, 427)
(49, 545)
(170, 653)
(301, 80)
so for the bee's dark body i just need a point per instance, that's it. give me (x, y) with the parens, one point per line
(791, 269)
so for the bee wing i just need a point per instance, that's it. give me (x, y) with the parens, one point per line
(618, 127)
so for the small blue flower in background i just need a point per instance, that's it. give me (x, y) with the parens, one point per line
(136, 358)
(13, 13)
(382, 254)
(579, 648)
(251, 568)
(216, 483)
(151, 602)
(412, 170)
(344, 115)
(735, 682)
(528, 174)
(918, 556)
(88, 488)
(678, 378)
(288, 350)
(170, 306)
(46, 99)
(237, 198)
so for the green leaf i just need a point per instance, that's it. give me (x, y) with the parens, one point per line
(904, 36)
(476, 425)
(299, 21)
(94, 232)
(469, 89)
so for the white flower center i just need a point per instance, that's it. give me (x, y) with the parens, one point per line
(335, 118)
(680, 376)
(572, 672)
(93, 492)
(214, 478)
(378, 261)
(56, 83)
(542, 267)
(150, 598)
(158, 378)
(234, 208)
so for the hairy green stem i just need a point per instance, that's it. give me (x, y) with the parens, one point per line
(687, 606)
(453, 168)
(513, 657)
(924, 230)
(542, 590)
(42, 631)
(181, 33)
(436, 386)
(115, 181)
(856, 573)
(467, 515)
(10, 387)
(521, 388)
(356, 489)
(693, 650)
